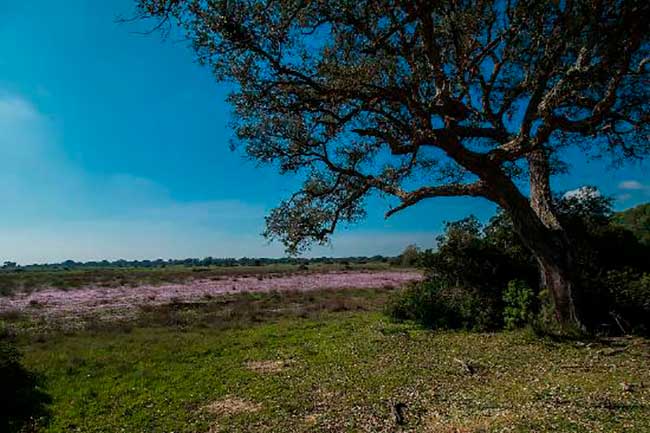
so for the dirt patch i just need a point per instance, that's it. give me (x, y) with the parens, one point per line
(268, 366)
(471, 423)
(311, 419)
(232, 406)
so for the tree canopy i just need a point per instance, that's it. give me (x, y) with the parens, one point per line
(419, 99)
(426, 98)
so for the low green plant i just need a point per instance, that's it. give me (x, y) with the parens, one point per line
(438, 305)
(518, 299)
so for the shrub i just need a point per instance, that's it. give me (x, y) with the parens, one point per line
(481, 270)
(466, 277)
(482, 258)
(544, 323)
(610, 263)
(5, 332)
(630, 300)
(410, 256)
(22, 401)
(436, 305)
(518, 299)
(415, 303)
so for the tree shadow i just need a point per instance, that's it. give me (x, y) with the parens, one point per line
(23, 401)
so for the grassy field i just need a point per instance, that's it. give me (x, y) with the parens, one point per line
(330, 361)
(29, 280)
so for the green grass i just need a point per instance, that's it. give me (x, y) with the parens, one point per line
(338, 371)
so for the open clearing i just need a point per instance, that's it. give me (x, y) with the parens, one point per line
(341, 372)
(319, 360)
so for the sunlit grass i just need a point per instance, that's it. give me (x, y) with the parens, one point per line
(338, 372)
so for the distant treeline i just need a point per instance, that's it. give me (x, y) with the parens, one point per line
(207, 261)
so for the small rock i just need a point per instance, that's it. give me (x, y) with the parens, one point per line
(628, 387)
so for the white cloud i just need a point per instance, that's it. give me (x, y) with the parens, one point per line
(32, 168)
(632, 185)
(53, 209)
(24, 132)
(633, 189)
(14, 108)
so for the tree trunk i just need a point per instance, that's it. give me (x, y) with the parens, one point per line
(559, 284)
(553, 253)
(555, 268)
(535, 222)
(541, 198)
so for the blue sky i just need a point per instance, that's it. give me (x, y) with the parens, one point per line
(115, 145)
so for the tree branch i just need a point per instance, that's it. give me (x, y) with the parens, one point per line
(476, 189)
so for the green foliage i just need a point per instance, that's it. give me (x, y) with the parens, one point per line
(182, 264)
(436, 305)
(518, 299)
(545, 323)
(466, 277)
(410, 256)
(481, 257)
(22, 401)
(630, 306)
(609, 263)
(415, 303)
(488, 266)
(636, 220)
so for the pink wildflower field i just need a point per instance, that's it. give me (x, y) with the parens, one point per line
(123, 302)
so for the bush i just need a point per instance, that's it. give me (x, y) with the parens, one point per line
(518, 299)
(22, 401)
(415, 303)
(630, 300)
(436, 305)
(409, 257)
(545, 322)
(466, 277)
(482, 276)
(610, 265)
(482, 258)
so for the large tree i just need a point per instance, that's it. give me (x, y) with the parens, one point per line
(428, 98)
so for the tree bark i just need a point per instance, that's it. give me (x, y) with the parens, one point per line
(557, 280)
(555, 268)
(541, 198)
(537, 225)
(553, 254)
